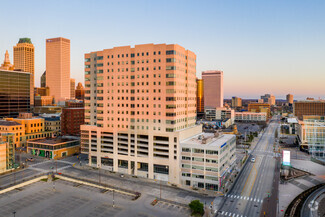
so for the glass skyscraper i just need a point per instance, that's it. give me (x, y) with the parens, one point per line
(14, 93)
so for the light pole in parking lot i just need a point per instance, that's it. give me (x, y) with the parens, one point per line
(113, 199)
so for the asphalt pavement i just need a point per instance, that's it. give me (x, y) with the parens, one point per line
(255, 181)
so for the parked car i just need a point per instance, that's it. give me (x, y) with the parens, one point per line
(253, 160)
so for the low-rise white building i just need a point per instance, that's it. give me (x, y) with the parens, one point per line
(250, 116)
(219, 114)
(206, 160)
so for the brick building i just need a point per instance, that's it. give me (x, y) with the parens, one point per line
(71, 119)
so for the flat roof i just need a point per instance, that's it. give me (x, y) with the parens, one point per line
(212, 141)
(9, 123)
(292, 120)
(53, 141)
(21, 72)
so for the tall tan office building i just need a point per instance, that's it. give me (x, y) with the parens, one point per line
(213, 88)
(24, 60)
(72, 88)
(290, 98)
(145, 99)
(236, 102)
(58, 68)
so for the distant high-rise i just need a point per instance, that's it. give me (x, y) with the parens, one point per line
(24, 61)
(213, 88)
(290, 98)
(236, 102)
(268, 98)
(6, 63)
(80, 92)
(72, 88)
(58, 67)
(43, 79)
(199, 96)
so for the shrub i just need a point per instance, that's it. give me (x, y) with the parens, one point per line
(196, 207)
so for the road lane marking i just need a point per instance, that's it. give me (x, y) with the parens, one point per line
(254, 199)
(226, 213)
(222, 212)
(248, 177)
(241, 197)
(251, 199)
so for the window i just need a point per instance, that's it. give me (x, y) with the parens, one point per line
(168, 52)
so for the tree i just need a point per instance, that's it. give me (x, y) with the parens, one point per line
(196, 207)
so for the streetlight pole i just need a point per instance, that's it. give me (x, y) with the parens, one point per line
(98, 174)
(113, 199)
(14, 212)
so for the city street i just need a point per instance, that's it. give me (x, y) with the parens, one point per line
(255, 181)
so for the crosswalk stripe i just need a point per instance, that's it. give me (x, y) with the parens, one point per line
(254, 199)
(226, 213)
(222, 212)
(244, 198)
(241, 197)
(231, 196)
(251, 199)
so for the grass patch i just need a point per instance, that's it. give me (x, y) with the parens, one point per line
(44, 180)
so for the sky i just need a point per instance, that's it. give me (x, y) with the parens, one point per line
(275, 47)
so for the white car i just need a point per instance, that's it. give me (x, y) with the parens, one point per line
(253, 160)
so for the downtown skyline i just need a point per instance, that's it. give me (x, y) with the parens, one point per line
(272, 47)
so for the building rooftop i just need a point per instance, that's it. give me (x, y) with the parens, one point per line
(55, 118)
(9, 123)
(25, 40)
(208, 140)
(52, 141)
(292, 120)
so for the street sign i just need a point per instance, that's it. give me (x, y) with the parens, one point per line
(286, 158)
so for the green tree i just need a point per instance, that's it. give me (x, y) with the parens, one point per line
(196, 207)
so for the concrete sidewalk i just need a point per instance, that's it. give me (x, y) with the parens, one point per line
(289, 190)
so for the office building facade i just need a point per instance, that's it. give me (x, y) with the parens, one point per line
(71, 120)
(14, 93)
(24, 60)
(199, 96)
(146, 104)
(309, 107)
(58, 68)
(289, 99)
(213, 88)
(72, 88)
(236, 102)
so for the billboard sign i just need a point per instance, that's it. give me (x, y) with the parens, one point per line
(286, 158)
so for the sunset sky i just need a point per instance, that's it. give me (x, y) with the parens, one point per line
(263, 47)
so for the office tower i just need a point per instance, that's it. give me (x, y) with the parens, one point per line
(43, 79)
(80, 91)
(58, 68)
(268, 98)
(24, 61)
(290, 98)
(6, 63)
(213, 88)
(140, 103)
(236, 102)
(72, 88)
(71, 119)
(199, 96)
(309, 107)
(15, 93)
